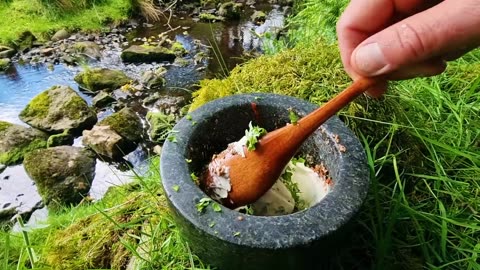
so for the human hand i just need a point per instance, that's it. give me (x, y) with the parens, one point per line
(402, 39)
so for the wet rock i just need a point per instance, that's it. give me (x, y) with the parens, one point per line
(47, 51)
(64, 138)
(62, 174)
(7, 211)
(160, 125)
(169, 104)
(106, 142)
(258, 17)
(87, 49)
(60, 35)
(67, 59)
(25, 41)
(102, 99)
(178, 48)
(208, 17)
(230, 10)
(147, 54)
(154, 79)
(4, 64)
(16, 141)
(57, 109)
(126, 123)
(6, 52)
(98, 79)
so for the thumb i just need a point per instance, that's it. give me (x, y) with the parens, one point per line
(449, 26)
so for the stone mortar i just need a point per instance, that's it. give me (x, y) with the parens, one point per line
(232, 240)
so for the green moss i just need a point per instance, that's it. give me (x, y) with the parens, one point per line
(160, 125)
(75, 108)
(64, 138)
(4, 64)
(101, 79)
(126, 123)
(178, 48)
(43, 20)
(38, 106)
(16, 156)
(4, 125)
(207, 17)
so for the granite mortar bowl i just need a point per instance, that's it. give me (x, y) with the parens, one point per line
(232, 240)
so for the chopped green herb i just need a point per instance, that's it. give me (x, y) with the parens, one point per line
(293, 116)
(188, 160)
(172, 138)
(216, 207)
(253, 134)
(194, 123)
(188, 117)
(249, 209)
(298, 160)
(258, 98)
(176, 188)
(194, 177)
(236, 234)
(211, 224)
(202, 204)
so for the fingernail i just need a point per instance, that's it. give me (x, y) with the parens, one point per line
(370, 60)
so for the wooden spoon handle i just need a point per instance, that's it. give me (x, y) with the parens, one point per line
(313, 120)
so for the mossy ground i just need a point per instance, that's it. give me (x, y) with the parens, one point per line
(43, 20)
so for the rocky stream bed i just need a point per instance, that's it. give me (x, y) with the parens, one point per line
(78, 113)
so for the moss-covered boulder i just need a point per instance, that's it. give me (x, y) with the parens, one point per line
(64, 138)
(147, 54)
(230, 10)
(57, 109)
(6, 52)
(126, 123)
(60, 35)
(63, 174)
(106, 142)
(160, 125)
(98, 79)
(4, 64)
(16, 141)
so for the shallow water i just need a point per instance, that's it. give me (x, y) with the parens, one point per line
(226, 43)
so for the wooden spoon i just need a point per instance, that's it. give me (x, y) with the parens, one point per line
(253, 175)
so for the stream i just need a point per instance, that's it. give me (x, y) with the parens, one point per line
(227, 44)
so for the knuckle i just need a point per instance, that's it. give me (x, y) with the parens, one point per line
(413, 40)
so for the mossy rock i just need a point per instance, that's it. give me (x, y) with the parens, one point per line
(230, 10)
(208, 17)
(147, 54)
(57, 109)
(258, 17)
(16, 141)
(178, 48)
(6, 52)
(4, 64)
(62, 174)
(102, 99)
(64, 138)
(160, 125)
(87, 48)
(126, 123)
(106, 142)
(25, 41)
(98, 79)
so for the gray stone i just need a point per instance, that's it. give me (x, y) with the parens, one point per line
(4, 64)
(147, 54)
(62, 174)
(232, 240)
(57, 109)
(87, 48)
(60, 35)
(154, 79)
(106, 142)
(16, 141)
(230, 10)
